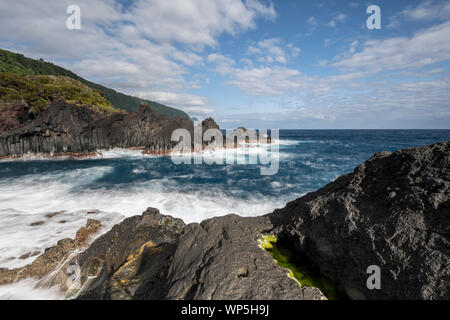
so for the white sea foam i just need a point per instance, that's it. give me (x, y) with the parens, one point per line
(29, 199)
(29, 234)
(27, 290)
(116, 153)
(122, 153)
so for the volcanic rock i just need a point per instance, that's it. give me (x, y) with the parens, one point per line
(393, 211)
(158, 257)
(65, 128)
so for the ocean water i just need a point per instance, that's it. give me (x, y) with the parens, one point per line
(123, 183)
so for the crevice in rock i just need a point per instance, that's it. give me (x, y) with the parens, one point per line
(300, 268)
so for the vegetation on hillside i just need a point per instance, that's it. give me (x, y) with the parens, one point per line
(20, 65)
(39, 91)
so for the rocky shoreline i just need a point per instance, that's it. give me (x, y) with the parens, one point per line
(77, 131)
(393, 211)
(67, 129)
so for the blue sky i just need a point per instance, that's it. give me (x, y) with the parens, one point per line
(254, 63)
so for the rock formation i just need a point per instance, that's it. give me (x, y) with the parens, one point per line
(158, 257)
(209, 123)
(64, 128)
(393, 211)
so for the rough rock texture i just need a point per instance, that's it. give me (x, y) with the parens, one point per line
(220, 259)
(13, 115)
(209, 123)
(393, 211)
(65, 128)
(131, 260)
(158, 257)
(92, 227)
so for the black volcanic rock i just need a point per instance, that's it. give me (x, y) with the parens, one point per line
(131, 260)
(65, 128)
(157, 257)
(393, 211)
(220, 259)
(209, 123)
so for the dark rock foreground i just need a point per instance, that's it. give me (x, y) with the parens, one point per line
(157, 257)
(393, 211)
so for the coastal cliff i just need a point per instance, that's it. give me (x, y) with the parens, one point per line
(65, 128)
(61, 116)
(393, 211)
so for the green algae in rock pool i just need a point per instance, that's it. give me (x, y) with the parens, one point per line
(302, 273)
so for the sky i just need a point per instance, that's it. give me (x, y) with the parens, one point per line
(286, 64)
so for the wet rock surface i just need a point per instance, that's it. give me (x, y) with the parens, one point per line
(50, 266)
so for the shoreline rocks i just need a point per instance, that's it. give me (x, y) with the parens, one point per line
(52, 259)
(158, 257)
(393, 212)
(67, 129)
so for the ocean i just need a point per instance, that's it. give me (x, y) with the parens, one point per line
(45, 200)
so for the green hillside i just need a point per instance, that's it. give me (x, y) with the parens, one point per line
(39, 90)
(20, 65)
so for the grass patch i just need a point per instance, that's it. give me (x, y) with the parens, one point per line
(303, 273)
(39, 91)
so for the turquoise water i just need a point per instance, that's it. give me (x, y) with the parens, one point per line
(124, 183)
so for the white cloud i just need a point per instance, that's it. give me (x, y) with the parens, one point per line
(273, 50)
(223, 64)
(338, 18)
(312, 21)
(187, 102)
(266, 81)
(321, 63)
(197, 22)
(368, 104)
(187, 58)
(429, 10)
(343, 100)
(229, 121)
(424, 48)
(353, 46)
